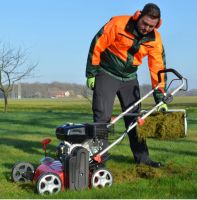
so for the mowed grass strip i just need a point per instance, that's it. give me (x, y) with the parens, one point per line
(29, 121)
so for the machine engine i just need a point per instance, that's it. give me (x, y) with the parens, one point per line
(91, 136)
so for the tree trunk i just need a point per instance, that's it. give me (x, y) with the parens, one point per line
(5, 102)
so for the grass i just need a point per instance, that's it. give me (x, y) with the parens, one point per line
(29, 121)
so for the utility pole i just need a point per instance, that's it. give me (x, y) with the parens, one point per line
(19, 90)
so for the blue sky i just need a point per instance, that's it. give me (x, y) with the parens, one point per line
(58, 33)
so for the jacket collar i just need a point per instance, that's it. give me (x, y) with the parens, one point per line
(130, 27)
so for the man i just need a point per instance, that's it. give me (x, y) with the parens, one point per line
(114, 56)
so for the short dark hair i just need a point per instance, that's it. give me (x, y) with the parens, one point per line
(152, 10)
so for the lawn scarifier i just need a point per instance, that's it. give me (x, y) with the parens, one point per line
(82, 152)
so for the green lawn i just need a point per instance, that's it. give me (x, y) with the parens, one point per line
(29, 121)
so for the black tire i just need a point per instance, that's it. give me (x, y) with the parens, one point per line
(101, 178)
(49, 183)
(21, 169)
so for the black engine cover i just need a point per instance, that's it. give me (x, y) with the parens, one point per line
(71, 133)
(78, 133)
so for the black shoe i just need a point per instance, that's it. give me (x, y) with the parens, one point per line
(153, 164)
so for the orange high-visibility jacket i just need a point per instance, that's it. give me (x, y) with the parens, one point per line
(118, 50)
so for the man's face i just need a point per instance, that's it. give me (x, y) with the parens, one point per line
(146, 24)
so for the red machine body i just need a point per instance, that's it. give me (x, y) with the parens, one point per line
(54, 167)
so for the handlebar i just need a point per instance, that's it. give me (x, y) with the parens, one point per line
(166, 71)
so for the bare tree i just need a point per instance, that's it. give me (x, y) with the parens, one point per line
(13, 68)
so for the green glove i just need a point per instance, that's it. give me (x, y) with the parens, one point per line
(163, 107)
(90, 83)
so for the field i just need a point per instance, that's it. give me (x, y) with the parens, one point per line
(27, 122)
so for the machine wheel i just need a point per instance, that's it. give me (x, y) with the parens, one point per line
(22, 172)
(101, 178)
(49, 183)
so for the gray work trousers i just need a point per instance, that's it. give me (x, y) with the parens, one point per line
(105, 91)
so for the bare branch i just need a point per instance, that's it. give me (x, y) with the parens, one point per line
(14, 67)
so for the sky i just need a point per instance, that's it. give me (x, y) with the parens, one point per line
(57, 34)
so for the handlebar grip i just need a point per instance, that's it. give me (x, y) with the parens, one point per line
(166, 71)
